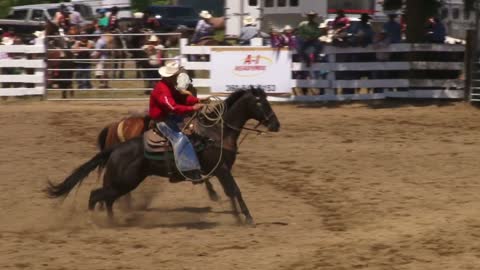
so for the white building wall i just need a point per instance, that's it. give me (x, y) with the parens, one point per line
(456, 20)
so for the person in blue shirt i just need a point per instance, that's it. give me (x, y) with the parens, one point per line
(204, 27)
(436, 32)
(362, 33)
(393, 29)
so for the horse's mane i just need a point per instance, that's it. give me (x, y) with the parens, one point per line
(231, 100)
(256, 91)
(234, 97)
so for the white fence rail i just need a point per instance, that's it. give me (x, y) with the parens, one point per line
(22, 70)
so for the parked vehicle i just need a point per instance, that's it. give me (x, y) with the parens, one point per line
(124, 6)
(30, 18)
(170, 17)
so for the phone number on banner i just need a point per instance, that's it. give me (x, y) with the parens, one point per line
(266, 88)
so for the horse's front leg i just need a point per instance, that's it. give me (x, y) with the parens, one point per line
(212, 194)
(233, 192)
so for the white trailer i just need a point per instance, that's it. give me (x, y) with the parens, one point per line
(270, 13)
(124, 6)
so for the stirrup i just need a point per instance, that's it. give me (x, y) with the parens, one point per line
(193, 176)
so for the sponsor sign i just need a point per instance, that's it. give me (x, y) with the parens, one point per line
(236, 68)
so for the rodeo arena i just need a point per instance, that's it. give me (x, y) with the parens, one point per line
(238, 134)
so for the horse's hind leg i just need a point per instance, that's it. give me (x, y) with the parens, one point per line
(96, 195)
(107, 195)
(110, 196)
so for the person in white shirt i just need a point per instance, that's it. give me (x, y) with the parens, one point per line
(204, 28)
(75, 17)
(154, 51)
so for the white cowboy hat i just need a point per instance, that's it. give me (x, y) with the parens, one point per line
(248, 20)
(205, 14)
(323, 25)
(275, 30)
(39, 34)
(138, 15)
(170, 68)
(7, 41)
(287, 27)
(153, 38)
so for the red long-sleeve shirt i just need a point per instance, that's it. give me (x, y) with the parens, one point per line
(164, 99)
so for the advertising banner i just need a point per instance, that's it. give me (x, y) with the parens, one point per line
(236, 68)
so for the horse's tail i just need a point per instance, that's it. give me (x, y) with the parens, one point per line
(62, 189)
(102, 139)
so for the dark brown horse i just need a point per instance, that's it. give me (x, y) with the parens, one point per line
(126, 165)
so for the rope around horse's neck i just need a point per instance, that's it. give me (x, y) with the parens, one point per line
(212, 111)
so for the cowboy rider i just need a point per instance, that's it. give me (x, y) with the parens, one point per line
(167, 106)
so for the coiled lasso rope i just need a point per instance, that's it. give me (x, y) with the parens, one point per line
(213, 112)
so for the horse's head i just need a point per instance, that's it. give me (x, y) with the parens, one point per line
(260, 109)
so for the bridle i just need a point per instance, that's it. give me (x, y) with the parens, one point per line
(218, 119)
(265, 119)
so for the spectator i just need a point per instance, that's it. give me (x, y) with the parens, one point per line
(276, 38)
(204, 28)
(102, 56)
(5, 57)
(248, 31)
(308, 37)
(81, 51)
(62, 18)
(75, 17)
(288, 38)
(436, 31)
(154, 51)
(325, 33)
(97, 28)
(393, 29)
(113, 18)
(39, 37)
(362, 33)
(403, 23)
(381, 41)
(150, 21)
(103, 20)
(10, 33)
(71, 36)
(138, 21)
(341, 24)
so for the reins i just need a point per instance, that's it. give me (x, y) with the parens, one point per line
(213, 111)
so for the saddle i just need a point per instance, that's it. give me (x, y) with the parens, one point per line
(156, 145)
(155, 142)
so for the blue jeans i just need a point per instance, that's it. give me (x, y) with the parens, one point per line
(305, 45)
(83, 74)
(185, 156)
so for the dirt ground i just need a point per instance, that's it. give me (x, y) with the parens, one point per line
(350, 187)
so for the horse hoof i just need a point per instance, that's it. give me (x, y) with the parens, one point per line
(249, 222)
(214, 197)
